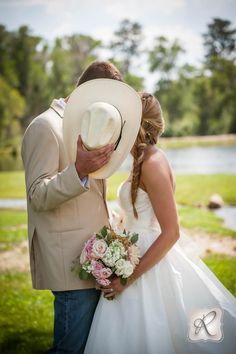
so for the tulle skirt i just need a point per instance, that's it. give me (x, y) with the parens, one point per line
(152, 316)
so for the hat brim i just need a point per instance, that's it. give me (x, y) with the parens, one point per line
(117, 93)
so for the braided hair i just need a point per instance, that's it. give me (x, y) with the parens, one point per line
(152, 126)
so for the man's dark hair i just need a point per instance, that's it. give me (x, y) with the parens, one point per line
(100, 70)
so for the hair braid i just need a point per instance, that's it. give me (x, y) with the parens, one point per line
(152, 125)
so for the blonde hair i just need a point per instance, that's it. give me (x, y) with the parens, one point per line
(152, 126)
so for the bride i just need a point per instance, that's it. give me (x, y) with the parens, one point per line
(154, 312)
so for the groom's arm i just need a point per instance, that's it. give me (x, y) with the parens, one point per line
(46, 187)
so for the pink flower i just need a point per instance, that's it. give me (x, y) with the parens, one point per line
(89, 247)
(105, 273)
(97, 265)
(99, 272)
(103, 282)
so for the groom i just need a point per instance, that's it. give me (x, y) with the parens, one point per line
(64, 207)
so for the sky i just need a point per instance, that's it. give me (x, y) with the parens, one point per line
(182, 19)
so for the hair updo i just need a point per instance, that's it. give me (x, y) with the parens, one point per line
(152, 126)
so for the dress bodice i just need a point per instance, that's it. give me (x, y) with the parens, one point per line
(146, 216)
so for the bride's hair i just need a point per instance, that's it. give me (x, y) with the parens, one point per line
(152, 126)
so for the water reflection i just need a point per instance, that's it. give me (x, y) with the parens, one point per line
(200, 160)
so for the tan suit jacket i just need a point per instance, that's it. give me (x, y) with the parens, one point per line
(62, 213)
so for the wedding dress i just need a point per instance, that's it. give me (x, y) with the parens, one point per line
(152, 316)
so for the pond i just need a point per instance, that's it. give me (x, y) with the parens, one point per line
(190, 160)
(199, 160)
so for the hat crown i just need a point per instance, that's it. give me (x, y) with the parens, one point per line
(100, 125)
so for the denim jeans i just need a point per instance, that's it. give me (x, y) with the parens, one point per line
(73, 315)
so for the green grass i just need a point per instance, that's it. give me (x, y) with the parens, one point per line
(224, 268)
(26, 316)
(197, 189)
(202, 219)
(190, 189)
(13, 228)
(12, 184)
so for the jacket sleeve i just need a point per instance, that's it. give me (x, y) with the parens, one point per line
(46, 187)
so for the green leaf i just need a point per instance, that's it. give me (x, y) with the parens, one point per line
(99, 236)
(134, 238)
(123, 281)
(103, 231)
(83, 274)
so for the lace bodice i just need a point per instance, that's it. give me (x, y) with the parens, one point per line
(146, 216)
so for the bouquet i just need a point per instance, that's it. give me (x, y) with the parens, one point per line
(107, 254)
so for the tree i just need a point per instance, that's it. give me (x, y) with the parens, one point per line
(164, 55)
(127, 42)
(12, 106)
(220, 40)
(69, 57)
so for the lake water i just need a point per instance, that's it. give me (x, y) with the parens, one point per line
(200, 160)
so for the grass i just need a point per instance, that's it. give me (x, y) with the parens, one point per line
(190, 189)
(26, 316)
(224, 268)
(202, 219)
(12, 184)
(13, 228)
(197, 189)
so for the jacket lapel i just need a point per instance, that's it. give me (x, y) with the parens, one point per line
(57, 108)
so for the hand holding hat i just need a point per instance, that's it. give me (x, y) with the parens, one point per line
(102, 111)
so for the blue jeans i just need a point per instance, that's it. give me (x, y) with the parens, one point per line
(73, 315)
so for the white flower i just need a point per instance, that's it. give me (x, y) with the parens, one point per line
(83, 257)
(124, 268)
(115, 251)
(99, 248)
(134, 254)
(87, 266)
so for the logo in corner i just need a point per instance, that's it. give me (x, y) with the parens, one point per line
(206, 325)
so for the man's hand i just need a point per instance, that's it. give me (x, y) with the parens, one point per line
(90, 161)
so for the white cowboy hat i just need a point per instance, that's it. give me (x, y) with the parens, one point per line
(102, 111)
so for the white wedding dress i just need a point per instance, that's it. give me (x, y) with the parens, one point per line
(152, 315)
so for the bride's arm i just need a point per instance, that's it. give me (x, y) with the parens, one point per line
(158, 181)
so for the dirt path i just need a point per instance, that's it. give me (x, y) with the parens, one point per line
(17, 259)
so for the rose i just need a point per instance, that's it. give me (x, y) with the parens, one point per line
(124, 268)
(105, 273)
(99, 271)
(134, 254)
(103, 282)
(99, 248)
(89, 247)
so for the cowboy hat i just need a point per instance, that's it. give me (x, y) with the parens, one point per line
(102, 111)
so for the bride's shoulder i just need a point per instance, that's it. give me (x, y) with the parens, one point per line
(156, 159)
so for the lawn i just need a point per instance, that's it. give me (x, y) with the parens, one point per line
(13, 228)
(26, 315)
(203, 219)
(190, 189)
(12, 184)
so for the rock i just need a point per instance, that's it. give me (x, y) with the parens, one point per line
(215, 202)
